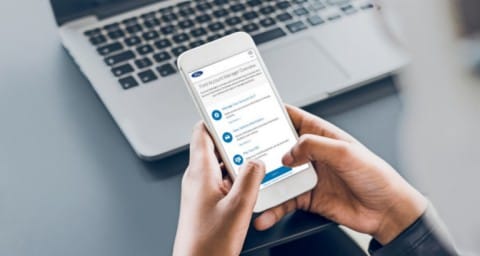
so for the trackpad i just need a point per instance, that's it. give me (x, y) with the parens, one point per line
(303, 71)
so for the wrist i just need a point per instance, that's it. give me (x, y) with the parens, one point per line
(404, 211)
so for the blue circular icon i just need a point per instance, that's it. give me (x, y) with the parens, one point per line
(238, 159)
(216, 115)
(227, 137)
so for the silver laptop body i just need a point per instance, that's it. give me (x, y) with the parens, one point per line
(313, 48)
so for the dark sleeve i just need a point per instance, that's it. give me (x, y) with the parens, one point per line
(426, 236)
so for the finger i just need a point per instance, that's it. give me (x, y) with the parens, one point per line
(246, 185)
(316, 148)
(305, 122)
(268, 218)
(296, 115)
(226, 186)
(202, 153)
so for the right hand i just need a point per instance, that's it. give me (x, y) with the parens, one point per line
(355, 187)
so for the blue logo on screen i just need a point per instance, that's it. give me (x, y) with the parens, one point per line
(197, 74)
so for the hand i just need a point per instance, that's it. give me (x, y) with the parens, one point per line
(355, 187)
(214, 214)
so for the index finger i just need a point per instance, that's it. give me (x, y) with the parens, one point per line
(305, 122)
(202, 148)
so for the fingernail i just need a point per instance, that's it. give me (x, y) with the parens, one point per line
(254, 163)
(268, 220)
(287, 159)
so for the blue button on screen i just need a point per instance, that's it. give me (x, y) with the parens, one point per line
(227, 137)
(238, 159)
(216, 115)
(276, 173)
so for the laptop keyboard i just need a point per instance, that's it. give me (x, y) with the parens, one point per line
(142, 49)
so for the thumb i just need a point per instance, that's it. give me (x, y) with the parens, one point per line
(247, 183)
(316, 148)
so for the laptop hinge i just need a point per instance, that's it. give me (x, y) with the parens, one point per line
(104, 12)
(100, 9)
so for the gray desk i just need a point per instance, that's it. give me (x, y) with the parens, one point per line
(69, 182)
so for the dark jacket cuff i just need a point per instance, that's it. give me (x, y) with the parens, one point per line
(426, 236)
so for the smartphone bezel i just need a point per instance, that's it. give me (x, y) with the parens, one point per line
(210, 53)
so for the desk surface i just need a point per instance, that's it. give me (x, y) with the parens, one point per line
(69, 182)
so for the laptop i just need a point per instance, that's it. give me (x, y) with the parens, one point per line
(127, 49)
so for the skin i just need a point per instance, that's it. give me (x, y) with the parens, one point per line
(356, 189)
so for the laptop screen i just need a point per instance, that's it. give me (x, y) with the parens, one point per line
(67, 10)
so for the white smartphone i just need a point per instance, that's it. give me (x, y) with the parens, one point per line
(244, 114)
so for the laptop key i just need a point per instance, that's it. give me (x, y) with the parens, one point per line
(220, 13)
(131, 41)
(112, 26)
(128, 82)
(232, 21)
(203, 18)
(147, 76)
(151, 23)
(237, 7)
(334, 17)
(115, 34)
(267, 22)
(184, 4)
(186, 11)
(196, 43)
(166, 30)
(185, 24)
(134, 29)
(166, 70)
(300, 11)
(98, 39)
(268, 35)
(150, 35)
(180, 38)
(296, 26)
(161, 56)
(231, 31)
(215, 26)
(119, 57)
(213, 37)
(338, 2)
(93, 32)
(267, 10)
(367, 6)
(315, 20)
(109, 48)
(148, 15)
(250, 15)
(348, 9)
(283, 5)
(144, 49)
(284, 17)
(253, 3)
(162, 43)
(143, 63)
(220, 2)
(179, 50)
(130, 21)
(167, 9)
(198, 32)
(122, 70)
(203, 6)
(317, 6)
(251, 27)
(169, 17)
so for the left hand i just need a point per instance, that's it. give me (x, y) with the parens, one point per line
(214, 215)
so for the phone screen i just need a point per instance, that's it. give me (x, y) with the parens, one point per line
(246, 114)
